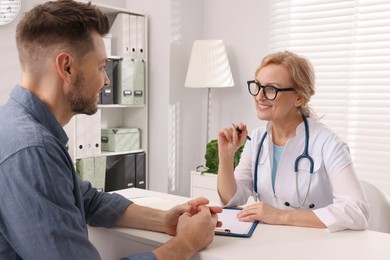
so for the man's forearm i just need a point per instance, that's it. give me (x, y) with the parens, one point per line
(140, 217)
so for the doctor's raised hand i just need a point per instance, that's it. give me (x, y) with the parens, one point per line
(299, 171)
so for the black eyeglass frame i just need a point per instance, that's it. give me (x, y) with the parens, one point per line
(264, 91)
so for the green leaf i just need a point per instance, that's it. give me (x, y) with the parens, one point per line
(212, 159)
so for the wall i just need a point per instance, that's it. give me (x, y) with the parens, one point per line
(177, 115)
(244, 28)
(10, 72)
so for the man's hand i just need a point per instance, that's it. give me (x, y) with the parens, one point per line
(191, 207)
(195, 231)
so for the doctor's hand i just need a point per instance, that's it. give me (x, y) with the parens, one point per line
(230, 140)
(262, 212)
(190, 208)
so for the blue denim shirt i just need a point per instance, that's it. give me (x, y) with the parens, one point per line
(44, 207)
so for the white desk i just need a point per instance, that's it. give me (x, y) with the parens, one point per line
(267, 241)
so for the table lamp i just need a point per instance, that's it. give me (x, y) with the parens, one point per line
(209, 68)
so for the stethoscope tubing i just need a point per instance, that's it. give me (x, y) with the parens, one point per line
(305, 155)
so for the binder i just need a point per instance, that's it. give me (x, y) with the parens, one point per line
(87, 138)
(125, 80)
(231, 226)
(140, 170)
(133, 36)
(107, 94)
(120, 31)
(129, 181)
(140, 50)
(92, 134)
(139, 82)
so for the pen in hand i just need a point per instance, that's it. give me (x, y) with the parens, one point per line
(239, 131)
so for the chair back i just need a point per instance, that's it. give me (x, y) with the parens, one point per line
(379, 202)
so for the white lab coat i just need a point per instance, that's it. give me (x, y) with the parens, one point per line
(340, 201)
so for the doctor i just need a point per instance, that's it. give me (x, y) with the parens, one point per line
(298, 170)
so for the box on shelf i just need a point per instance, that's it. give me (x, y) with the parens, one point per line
(120, 139)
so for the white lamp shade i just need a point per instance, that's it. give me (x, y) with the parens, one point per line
(209, 66)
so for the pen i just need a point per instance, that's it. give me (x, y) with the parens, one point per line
(222, 231)
(239, 131)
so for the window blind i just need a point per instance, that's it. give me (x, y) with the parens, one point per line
(348, 43)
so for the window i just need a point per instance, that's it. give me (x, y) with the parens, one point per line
(348, 43)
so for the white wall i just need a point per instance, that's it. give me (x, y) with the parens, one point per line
(173, 110)
(177, 119)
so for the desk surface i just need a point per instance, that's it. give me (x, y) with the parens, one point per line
(267, 241)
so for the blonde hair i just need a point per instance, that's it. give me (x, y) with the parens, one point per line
(301, 74)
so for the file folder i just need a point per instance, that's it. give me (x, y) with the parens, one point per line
(231, 226)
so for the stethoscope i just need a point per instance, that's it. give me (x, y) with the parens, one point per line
(304, 155)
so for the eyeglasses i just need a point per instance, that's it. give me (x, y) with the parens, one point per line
(269, 92)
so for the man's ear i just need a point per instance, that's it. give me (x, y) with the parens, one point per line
(65, 66)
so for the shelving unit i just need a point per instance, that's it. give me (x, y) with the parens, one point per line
(85, 130)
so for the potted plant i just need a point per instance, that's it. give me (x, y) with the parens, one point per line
(212, 159)
(204, 179)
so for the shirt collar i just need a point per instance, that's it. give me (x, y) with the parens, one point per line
(40, 111)
(299, 130)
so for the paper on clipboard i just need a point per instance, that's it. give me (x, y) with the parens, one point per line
(231, 226)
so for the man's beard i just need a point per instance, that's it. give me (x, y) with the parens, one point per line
(81, 104)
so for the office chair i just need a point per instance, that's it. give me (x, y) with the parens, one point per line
(379, 219)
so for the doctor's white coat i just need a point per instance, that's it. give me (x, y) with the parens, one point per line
(339, 199)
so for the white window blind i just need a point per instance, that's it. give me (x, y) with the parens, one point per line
(348, 43)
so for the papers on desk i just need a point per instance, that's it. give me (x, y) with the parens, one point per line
(231, 226)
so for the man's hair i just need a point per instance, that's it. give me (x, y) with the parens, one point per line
(64, 23)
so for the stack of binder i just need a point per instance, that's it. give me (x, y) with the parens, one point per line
(128, 40)
(131, 82)
(125, 171)
(128, 36)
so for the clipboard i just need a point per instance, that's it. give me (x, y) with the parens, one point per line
(232, 227)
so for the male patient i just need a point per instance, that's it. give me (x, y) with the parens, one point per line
(44, 207)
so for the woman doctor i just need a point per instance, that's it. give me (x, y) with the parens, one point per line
(298, 170)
